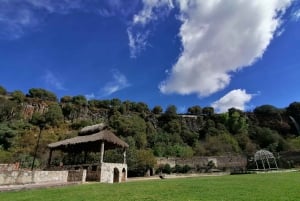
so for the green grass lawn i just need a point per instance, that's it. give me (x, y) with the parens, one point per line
(263, 187)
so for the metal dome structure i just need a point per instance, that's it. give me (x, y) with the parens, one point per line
(265, 158)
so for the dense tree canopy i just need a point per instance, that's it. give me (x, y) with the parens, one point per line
(149, 133)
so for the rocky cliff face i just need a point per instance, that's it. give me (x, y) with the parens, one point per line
(29, 108)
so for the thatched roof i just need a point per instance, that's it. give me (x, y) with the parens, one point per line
(92, 129)
(90, 142)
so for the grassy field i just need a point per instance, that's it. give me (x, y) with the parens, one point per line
(262, 187)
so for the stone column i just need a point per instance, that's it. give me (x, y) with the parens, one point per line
(124, 155)
(102, 152)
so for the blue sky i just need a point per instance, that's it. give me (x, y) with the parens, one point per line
(216, 53)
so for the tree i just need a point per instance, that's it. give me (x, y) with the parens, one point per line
(66, 99)
(6, 136)
(144, 160)
(42, 94)
(40, 121)
(209, 111)
(293, 110)
(54, 116)
(195, 110)
(236, 121)
(171, 111)
(9, 110)
(18, 96)
(157, 109)
(2, 90)
(79, 100)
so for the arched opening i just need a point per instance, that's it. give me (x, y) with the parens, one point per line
(116, 175)
(123, 179)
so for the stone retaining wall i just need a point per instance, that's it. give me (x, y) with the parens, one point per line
(220, 162)
(28, 177)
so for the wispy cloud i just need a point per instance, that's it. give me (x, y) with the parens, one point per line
(18, 17)
(296, 15)
(137, 42)
(237, 98)
(53, 81)
(119, 82)
(295, 11)
(138, 32)
(90, 96)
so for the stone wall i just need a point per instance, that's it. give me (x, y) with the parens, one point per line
(28, 177)
(9, 167)
(77, 175)
(113, 172)
(220, 162)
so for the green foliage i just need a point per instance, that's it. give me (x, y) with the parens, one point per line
(171, 111)
(42, 94)
(6, 135)
(164, 133)
(80, 124)
(54, 116)
(293, 110)
(221, 144)
(236, 121)
(195, 110)
(133, 126)
(5, 156)
(209, 111)
(2, 90)
(18, 96)
(79, 100)
(66, 99)
(140, 161)
(9, 110)
(157, 109)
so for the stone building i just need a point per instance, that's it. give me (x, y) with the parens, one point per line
(97, 139)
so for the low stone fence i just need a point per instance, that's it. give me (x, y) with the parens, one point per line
(9, 167)
(28, 177)
(220, 162)
(77, 175)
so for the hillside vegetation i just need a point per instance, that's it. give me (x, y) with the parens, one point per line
(149, 131)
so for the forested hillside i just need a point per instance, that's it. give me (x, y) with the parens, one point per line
(149, 131)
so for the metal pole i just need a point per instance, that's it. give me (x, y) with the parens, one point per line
(49, 159)
(36, 148)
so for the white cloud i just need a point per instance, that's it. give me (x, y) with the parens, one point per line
(237, 98)
(119, 82)
(53, 81)
(220, 37)
(18, 17)
(137, 42)
(296, 15)
(152, 11)
(90, 96)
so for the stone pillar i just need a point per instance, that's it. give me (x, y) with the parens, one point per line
(102, 152)
(124, 155)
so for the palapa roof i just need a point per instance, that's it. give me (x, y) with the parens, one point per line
(90, 142)
(92, 129)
